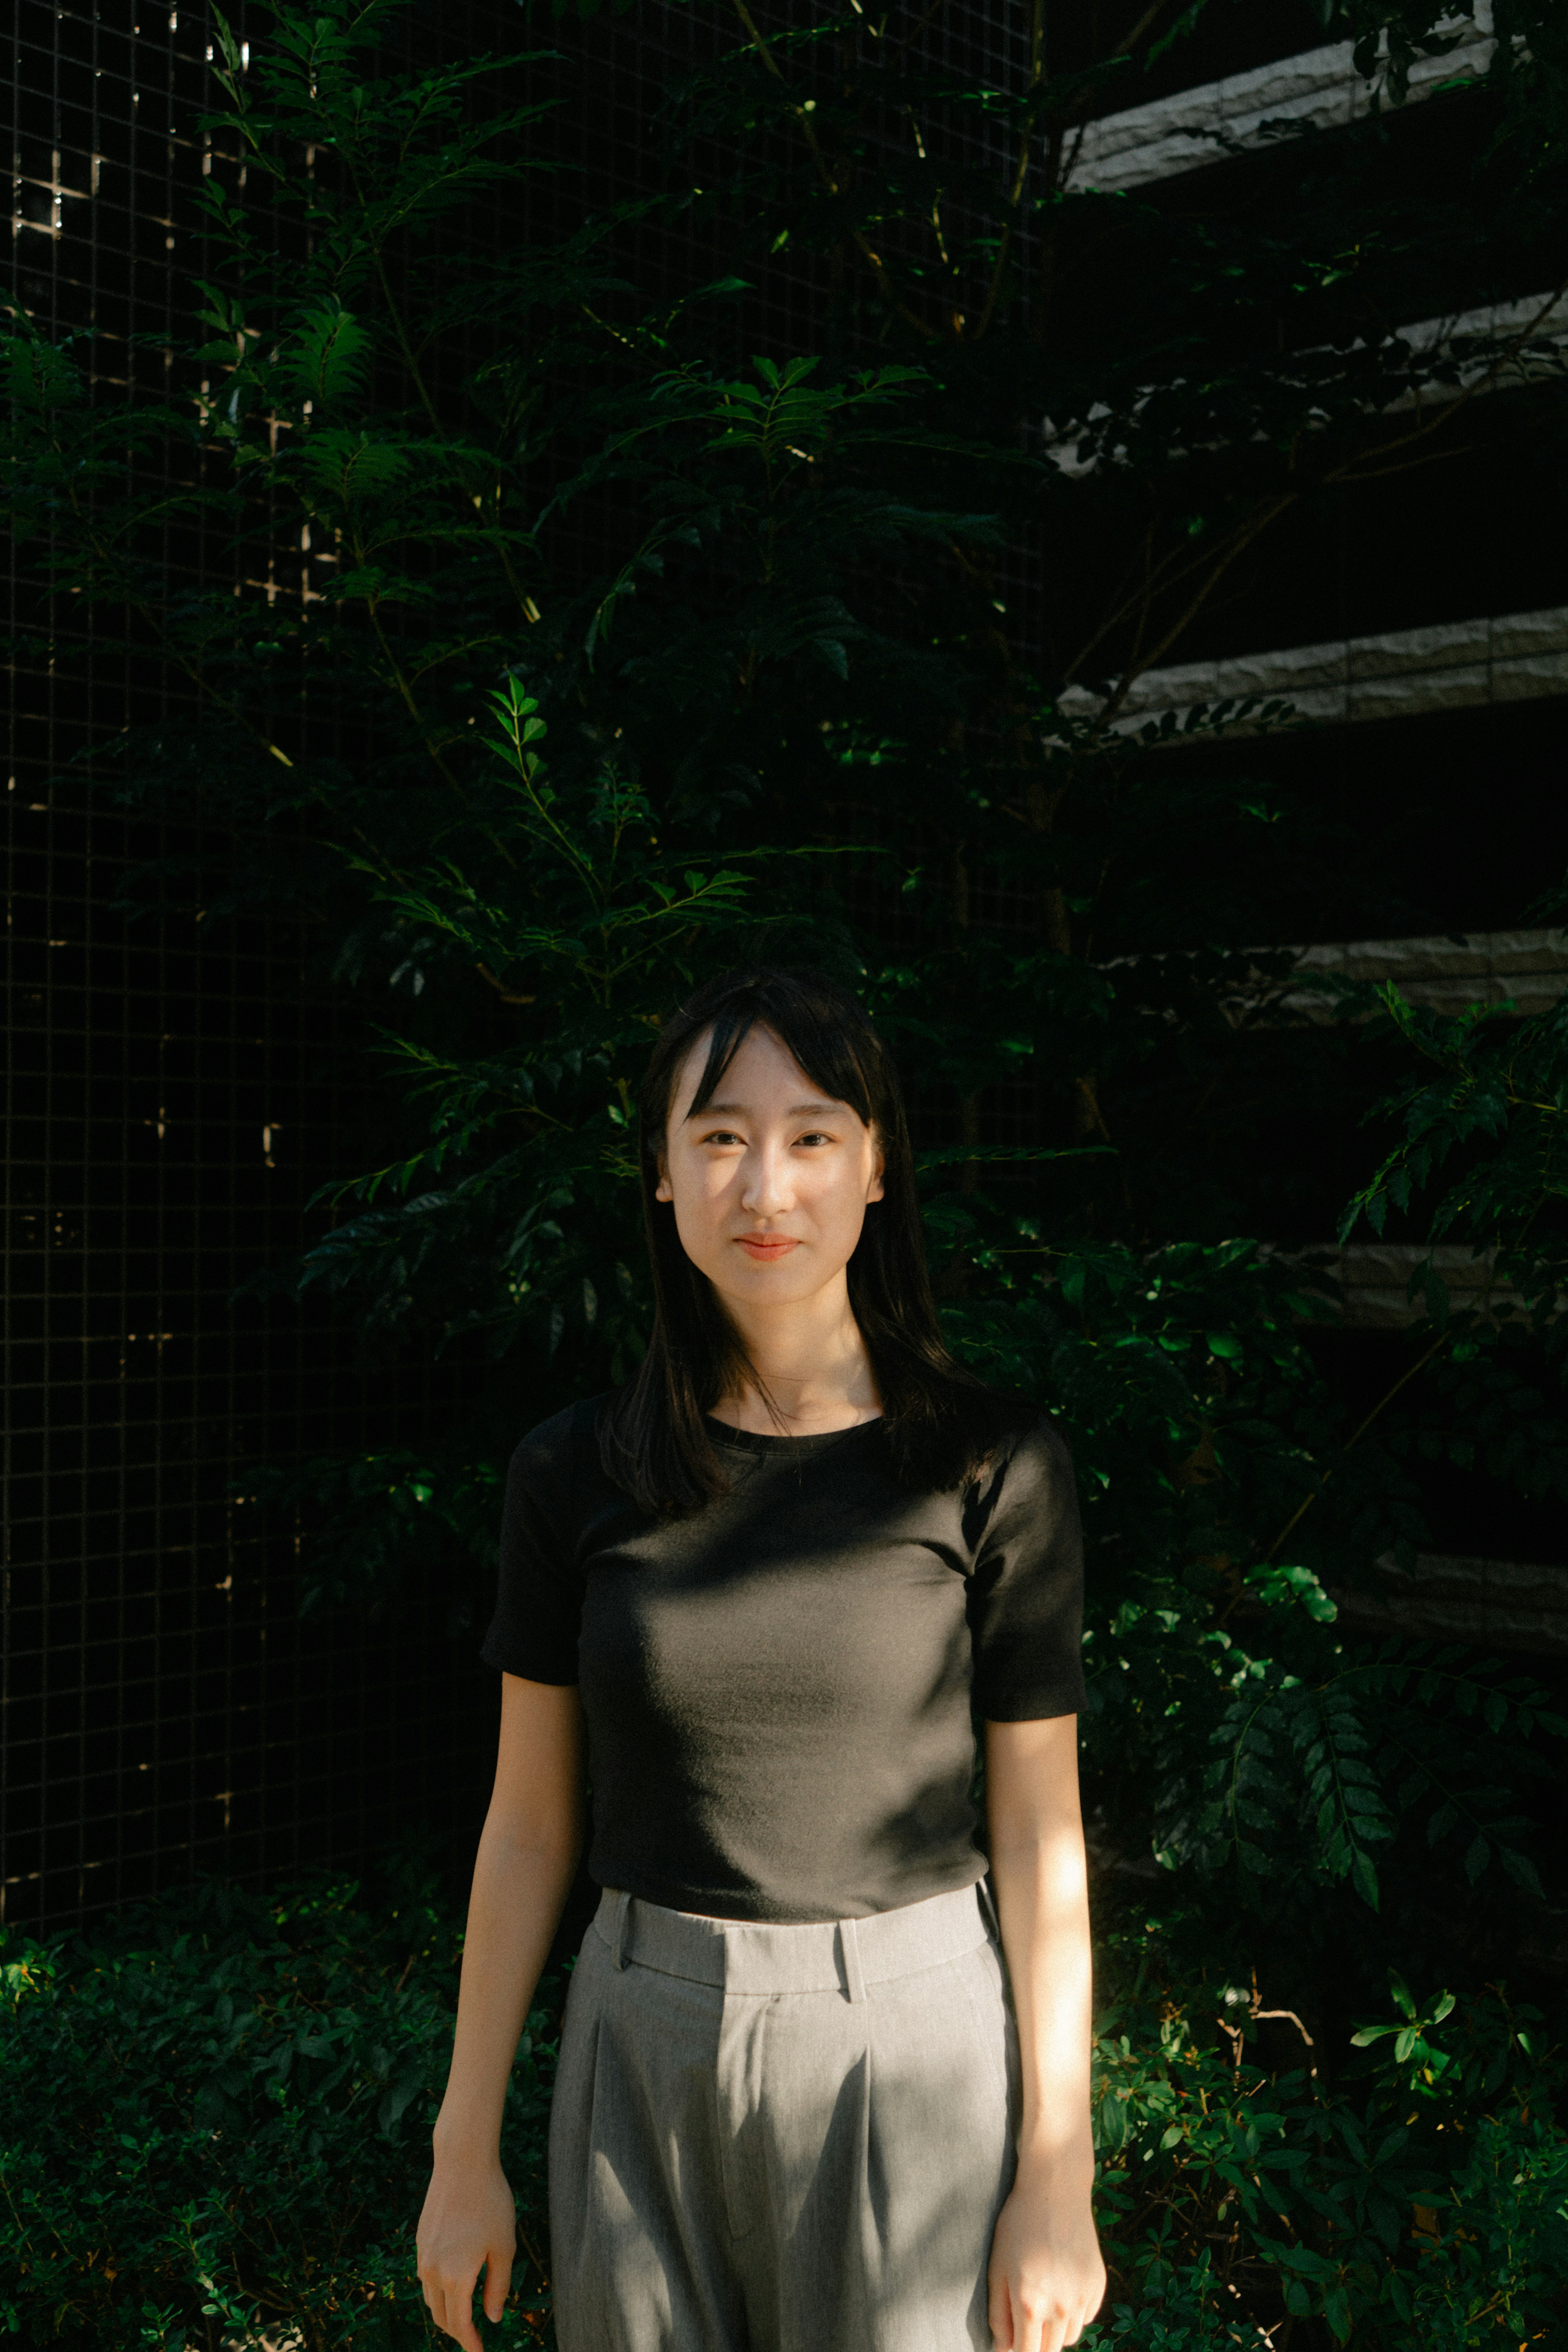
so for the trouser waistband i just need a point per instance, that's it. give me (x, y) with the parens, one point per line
(827, 1955)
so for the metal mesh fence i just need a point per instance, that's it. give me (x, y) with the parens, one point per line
(170, 1098)
(171, 1104)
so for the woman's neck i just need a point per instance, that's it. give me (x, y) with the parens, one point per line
(811, 1364)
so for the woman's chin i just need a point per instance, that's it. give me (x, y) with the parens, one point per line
(783, 1281)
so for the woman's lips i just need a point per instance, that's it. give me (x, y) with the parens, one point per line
(764, 1247)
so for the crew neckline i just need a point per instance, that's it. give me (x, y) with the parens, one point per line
(757, 1441)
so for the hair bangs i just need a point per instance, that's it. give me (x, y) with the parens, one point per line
(819, 1048)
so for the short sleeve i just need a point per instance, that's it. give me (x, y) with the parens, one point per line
(538, 1601)
(1026, 1592)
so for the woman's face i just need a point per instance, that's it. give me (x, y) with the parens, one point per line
(770, 1182)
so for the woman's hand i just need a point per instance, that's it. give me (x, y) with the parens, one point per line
(1046, 2277)
(469, 2223)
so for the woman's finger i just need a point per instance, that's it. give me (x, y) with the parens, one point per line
(1000, 2311)
(458, 2320)
(497, 2280)
(435, 2297)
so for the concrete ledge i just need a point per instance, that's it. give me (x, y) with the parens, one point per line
(1448, 974)
(1374, 1276)
(1320, 88)
(1502, 1605)
(1536, 324)
(1374, 1280)
(1486, 968)
(1448, 665)
(1546, 320)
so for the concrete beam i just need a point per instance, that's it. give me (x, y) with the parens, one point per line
(1547, 318)
(1375, 1277)
(1502, 1605)
(1528, 969)
(1537, 325)
(1320, 88)
(1525, 969)
(1449, 666)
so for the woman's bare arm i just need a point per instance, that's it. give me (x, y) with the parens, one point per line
(528, 1855)
(1046, 2277)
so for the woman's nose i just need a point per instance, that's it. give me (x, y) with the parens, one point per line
(765, 1192)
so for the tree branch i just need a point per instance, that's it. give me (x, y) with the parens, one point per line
(824, 173)
(1301, 1509)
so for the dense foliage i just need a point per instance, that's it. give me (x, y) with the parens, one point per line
(588, 637)
(215, 2122)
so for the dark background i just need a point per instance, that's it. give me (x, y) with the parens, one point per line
(177, 1087)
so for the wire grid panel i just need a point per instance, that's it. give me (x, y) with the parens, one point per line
(170, 1111)
(631, 70)
(170, 1106)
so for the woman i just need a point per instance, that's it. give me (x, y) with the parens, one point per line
(802, 2104)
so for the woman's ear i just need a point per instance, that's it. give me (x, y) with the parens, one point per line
(664, 1191)
(873, 1191)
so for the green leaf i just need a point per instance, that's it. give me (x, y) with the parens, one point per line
(1522, 1870)
(326, 359)
(348, 470)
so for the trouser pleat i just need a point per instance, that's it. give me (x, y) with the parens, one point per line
(779, 2172)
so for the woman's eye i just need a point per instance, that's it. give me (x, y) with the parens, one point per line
(721, 1135)
(815, 1138)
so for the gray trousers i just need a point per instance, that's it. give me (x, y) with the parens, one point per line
(781, 2140)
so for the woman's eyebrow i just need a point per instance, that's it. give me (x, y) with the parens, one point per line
(738, 1110)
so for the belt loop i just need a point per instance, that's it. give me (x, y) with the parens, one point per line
(617, 1941)
(850, 1959)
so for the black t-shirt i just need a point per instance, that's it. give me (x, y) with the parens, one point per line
(778, 1688)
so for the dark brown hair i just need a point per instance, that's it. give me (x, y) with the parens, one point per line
(940, 1420)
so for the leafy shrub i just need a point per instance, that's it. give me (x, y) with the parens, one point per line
(216, 2125)
(1418, 2198)
(216, 2114)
